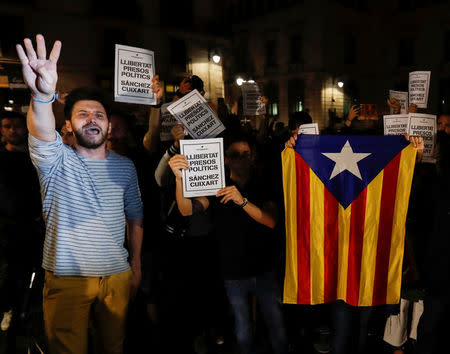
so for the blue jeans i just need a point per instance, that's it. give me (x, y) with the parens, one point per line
(265, 287)
(350, 328)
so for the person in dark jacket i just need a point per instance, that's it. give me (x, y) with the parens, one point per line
(434, 326)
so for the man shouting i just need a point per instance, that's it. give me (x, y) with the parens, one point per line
(89, 196)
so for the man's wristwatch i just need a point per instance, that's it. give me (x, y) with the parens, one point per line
(157, 105)
(244, 203)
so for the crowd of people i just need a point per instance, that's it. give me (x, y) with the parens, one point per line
(131, 265)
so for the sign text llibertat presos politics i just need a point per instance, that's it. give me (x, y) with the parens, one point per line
(134, 70)
(194, 112)
(206, 173)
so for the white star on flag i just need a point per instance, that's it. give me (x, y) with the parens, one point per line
(346, 160)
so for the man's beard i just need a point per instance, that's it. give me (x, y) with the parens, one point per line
(90, 141)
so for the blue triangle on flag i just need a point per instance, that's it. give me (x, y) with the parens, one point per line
(346, 181)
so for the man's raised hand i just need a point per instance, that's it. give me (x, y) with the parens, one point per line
(39, 73)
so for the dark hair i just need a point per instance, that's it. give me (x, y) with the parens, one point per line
(279, 125)
(299, 118)
(11, 115)
(86, 93)
(239, 138)
(196, 83)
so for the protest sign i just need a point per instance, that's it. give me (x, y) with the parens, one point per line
(401, 97)
(311, 128)
(396, 124)
(197, 116)
(368, 111)
(251, 97)
(133, 73)
(419, 85)
(167, 123)
(424, 125)
(206, 173)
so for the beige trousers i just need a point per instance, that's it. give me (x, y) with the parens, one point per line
(72, 303)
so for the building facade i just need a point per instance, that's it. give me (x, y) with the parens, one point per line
(176, 31)
(299, 51)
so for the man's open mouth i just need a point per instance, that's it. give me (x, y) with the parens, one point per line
(92, 131)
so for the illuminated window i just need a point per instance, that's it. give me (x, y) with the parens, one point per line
(273, 109)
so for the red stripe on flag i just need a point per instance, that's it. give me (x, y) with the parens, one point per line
(331, 246)
(388, 194)
(355, 247)
(303, 240)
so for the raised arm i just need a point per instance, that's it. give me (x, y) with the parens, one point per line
(163, 174)
(352, 114)
(40, 75)
(395, 105)
(151, 138)
(186, 206)
(418, 143)
(267, 215)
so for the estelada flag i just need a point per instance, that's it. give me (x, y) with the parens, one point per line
(346, 199)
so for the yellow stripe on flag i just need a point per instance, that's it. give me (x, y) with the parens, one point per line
(290, 205)
(344, 237)
(370, 240)
(405, 174)
(317, 238)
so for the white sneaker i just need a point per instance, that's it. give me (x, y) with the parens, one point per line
(6, 321)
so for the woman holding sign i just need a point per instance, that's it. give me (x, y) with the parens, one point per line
(244, 232)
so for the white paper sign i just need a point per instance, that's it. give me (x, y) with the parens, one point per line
(424, 125)
(396, 124)
(252, 105)
(401, 97)
(168, 121)
(134, 70)
(310, 128)
(206, 174)
(419, 85)
(197, 116)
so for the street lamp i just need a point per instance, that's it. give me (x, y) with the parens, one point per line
(239, 81)
(216, 58)
(341, 84)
